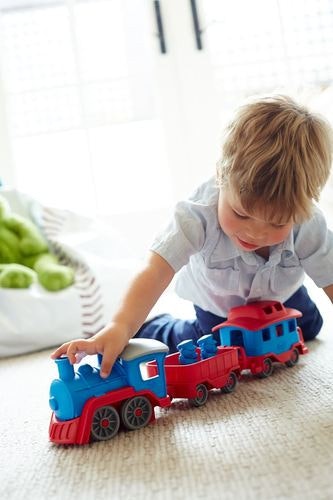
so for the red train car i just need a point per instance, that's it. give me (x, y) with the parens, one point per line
(193, 381)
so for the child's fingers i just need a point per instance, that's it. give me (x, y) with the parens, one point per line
(61, 350)
(109, 357)
(78, 349)
(75, 351)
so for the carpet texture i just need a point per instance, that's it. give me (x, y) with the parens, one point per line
(272, 438)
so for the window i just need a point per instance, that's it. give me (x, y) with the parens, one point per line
(292, 325)
(262, 45)
(149, 370)
(91, 109)
(266, 335)
(236, 338)
(81, 110)
(279, 330)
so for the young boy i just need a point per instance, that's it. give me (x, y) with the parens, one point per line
(249, 236)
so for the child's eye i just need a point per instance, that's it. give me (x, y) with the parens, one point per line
(240, 216)
(278, 226)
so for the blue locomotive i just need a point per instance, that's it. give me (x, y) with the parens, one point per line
(83, 396)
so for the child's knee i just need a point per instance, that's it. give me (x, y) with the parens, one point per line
(312, 327)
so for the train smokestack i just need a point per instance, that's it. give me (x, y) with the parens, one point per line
(65, 369)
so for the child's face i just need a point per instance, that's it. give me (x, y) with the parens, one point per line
(248, 232)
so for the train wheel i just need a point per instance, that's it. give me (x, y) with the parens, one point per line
(231, 384)
(105, 423)
(136, 412)
(201, 397)
(267, 368)
(293, 358)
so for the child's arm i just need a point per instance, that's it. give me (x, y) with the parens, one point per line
(142, 294)
(329, 292)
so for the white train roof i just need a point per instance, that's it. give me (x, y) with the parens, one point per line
(139, 347)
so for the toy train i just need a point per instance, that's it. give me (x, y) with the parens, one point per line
(87, 407)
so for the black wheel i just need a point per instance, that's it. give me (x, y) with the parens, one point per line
(231, 384)
(267, 368)
(136, 412)
(294, 357)
(105, 423)
(201, 397)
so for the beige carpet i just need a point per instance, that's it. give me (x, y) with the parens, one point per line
(270, 439)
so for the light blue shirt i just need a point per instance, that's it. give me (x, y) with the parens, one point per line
(216, 275)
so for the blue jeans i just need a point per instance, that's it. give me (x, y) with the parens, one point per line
(171, 331)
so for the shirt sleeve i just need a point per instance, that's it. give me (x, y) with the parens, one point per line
(314, 247)
(183, 236)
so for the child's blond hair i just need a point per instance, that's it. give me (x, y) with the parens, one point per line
(276, 157)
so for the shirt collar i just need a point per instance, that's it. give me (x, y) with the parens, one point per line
(286, 246)
(226, 250)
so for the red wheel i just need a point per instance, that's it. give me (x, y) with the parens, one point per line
(231, 384)
(267, 368)
(201, 397)
(294, 357)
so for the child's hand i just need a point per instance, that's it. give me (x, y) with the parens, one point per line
(108, 342)
(147, 286)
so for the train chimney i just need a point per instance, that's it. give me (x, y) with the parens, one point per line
(65, 369)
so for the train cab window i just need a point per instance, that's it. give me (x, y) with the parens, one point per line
(236, 338)
(278, 306)
(266, 334)
(279, 330)
(268, 310)
(291, 325)
(149, 370)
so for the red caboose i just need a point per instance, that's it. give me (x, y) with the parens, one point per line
(266, 332)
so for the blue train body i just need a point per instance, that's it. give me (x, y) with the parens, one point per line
(265, 332)
(277, 337)
(70, 392)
